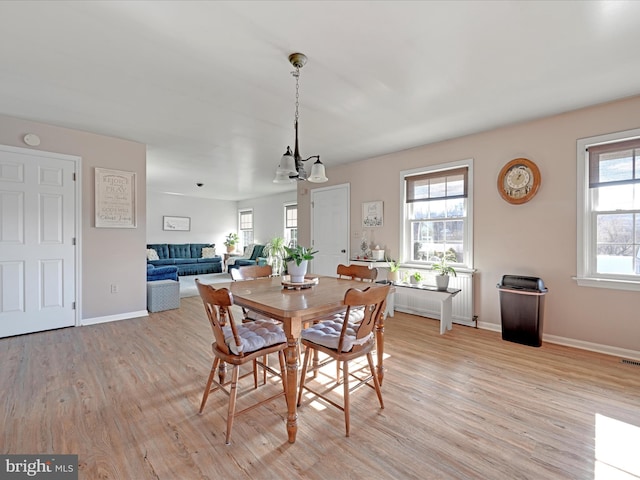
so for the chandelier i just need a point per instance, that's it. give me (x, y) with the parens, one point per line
(291, 164)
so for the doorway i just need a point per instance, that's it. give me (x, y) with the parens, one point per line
(330, 208)
(38, 230)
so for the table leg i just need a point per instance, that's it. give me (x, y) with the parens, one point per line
(292, 379)
(446, 314)
(380, 347)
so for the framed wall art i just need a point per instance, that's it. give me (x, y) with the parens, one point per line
(115, 198)
(372, 214)
(178, 224)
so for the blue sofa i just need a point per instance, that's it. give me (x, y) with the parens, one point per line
(187, 257)
(255, 258)
(168, 272)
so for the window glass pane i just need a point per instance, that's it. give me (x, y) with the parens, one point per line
(431, 239)
(455, 185)
(616, 166)
(637, 245)
(617, 197)
(438, 188)
(615, 247)
(291, 213)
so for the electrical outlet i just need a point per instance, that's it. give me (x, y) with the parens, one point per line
(115, 288)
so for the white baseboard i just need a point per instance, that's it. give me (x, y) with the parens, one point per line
(571, 342)
(113, 318)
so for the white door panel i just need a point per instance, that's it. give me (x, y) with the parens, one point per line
(37, 252)
(330, 228)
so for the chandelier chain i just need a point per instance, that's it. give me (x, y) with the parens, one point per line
(297, 75)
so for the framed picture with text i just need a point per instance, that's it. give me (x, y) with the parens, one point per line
(115, 199)
(372, 214)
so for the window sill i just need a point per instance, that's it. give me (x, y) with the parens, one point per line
(608, 283)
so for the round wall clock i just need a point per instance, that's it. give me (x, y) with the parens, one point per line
(519, 181)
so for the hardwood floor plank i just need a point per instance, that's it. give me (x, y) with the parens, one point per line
(124, 396)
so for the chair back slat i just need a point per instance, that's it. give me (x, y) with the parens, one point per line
(373, 301)
(357, 272)
(217, 304)
(251, 272)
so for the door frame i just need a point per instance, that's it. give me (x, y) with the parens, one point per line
(333, 187)
(77, 211)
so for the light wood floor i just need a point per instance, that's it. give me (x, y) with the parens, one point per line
(124, 396)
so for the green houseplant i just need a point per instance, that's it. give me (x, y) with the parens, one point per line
(297, 260)
(416, 278)
(444, 269)
(276, 253)
(230, 242)
(394, 270)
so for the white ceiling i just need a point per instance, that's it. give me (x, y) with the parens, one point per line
(207, 85)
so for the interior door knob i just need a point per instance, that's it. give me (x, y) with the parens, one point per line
(343, 251)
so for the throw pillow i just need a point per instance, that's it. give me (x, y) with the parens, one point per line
(152, 254)
(208, 252)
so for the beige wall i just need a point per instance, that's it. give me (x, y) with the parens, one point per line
(537, 238)
(268, 214)
(109, 255)
(211, 220)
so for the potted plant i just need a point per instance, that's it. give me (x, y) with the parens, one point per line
(297, 260)
(230, 242)
(275, 252)
(444, 270)
(415, 278)
(394, 270)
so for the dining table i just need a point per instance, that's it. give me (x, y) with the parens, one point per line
(295, 307)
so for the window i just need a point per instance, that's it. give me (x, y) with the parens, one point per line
(609, 211)
(246, 228)
(437, 214)
(291, 225)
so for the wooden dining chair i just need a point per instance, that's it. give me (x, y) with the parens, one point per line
(357, 272)
(345, 341)
(251, 272)
(237, 345)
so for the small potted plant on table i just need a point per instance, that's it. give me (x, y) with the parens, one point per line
(297, 260)
(230, 242)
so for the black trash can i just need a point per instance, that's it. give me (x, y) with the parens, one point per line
(522, 309)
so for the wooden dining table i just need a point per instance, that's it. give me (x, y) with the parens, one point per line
(297, 307)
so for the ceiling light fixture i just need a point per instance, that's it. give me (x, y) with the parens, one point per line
(291, 167)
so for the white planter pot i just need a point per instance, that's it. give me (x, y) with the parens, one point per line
(442, 282)
(393, 276)
(297, 272)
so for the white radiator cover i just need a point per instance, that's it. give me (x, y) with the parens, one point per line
(412, 301)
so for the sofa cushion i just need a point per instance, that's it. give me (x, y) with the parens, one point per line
(162, 249)
(152, 254)
(210, 260)
(182, 261)
(163, 261)
(196, 249)
(180, 250)
(208, 252)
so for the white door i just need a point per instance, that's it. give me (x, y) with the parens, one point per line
(37, 253)
(330, 228)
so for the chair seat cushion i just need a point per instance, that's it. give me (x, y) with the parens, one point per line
(254, 336)
(327, 334)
